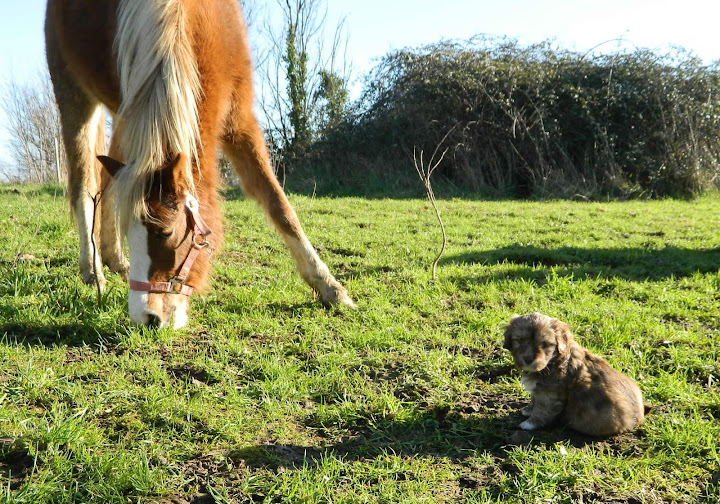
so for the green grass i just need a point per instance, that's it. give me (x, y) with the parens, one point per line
(268, 397)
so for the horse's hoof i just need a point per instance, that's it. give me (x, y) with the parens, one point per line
(347, 301)
(96, 280)
(121, 268)
(335, 295)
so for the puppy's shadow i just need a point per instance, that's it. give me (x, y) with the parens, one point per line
(441, 432)
(624, 445)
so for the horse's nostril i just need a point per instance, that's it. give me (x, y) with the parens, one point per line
(153, 320)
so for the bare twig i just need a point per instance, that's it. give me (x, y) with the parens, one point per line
(96, 204)
(425, 172)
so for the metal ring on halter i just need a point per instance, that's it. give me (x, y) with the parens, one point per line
(204, 243)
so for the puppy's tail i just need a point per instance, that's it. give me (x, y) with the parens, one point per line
(647, 408)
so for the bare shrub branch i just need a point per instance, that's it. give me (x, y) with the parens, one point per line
(425, 172)
(34, 127)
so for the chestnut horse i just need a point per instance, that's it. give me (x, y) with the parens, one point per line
(177, 77)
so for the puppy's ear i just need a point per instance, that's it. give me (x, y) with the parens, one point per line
(507, 344)
(563, 335)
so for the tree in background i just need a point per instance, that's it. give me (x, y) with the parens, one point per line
(334, 97)
(303, 81)
(34, 127)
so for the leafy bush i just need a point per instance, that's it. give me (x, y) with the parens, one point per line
(532, 120)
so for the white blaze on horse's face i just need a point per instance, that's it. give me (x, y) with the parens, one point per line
(160, 310)
(139, 269)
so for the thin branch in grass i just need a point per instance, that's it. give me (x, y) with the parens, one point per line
(425, 172)
(20, 254)
(98, 287)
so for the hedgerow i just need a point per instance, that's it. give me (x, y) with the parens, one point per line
(532, 120)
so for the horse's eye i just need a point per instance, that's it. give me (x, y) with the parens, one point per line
(164, 234)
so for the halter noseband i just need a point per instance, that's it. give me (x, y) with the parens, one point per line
(176, 285)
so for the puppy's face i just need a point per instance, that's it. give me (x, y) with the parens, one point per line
(535, 339)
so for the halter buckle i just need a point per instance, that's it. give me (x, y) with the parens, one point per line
(192, 204)
(176, 285)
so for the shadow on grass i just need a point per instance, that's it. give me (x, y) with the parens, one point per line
(16, 464)
(54, 335)
(489, 425)
(273, 308)
(482, 424)
(443, 434)
(637, 264)
(437, 432)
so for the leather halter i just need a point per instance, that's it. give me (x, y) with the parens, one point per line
(177, 285)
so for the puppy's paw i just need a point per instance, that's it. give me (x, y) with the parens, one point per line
(528, 425)
(526, 412)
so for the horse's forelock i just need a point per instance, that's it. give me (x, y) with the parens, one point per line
(160, 86)
(129, 191)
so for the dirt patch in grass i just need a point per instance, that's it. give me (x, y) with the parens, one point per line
(193, 374)
(491, 403)
(274, 456)
(16, 463)
(200, 473)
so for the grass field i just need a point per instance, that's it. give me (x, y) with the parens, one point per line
(268, 397)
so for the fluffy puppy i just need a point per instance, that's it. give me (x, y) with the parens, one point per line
(568, 383)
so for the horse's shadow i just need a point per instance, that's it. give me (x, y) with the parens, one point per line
(634, 264)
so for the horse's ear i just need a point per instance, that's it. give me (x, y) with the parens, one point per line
(177, 170)
(111, 165)
(175, 163)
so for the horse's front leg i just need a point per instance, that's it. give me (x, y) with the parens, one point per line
(248, 153)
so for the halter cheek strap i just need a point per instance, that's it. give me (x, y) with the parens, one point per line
(177, 285)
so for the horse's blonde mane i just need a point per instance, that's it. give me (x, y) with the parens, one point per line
(160, 87)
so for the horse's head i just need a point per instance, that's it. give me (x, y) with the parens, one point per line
(170, 246)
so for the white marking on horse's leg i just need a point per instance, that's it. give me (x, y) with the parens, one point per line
(139, 270)
(315, 272)
(110, 240)
(90, 260)
(85, 188)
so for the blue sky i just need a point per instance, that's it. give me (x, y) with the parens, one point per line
(378, 26)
